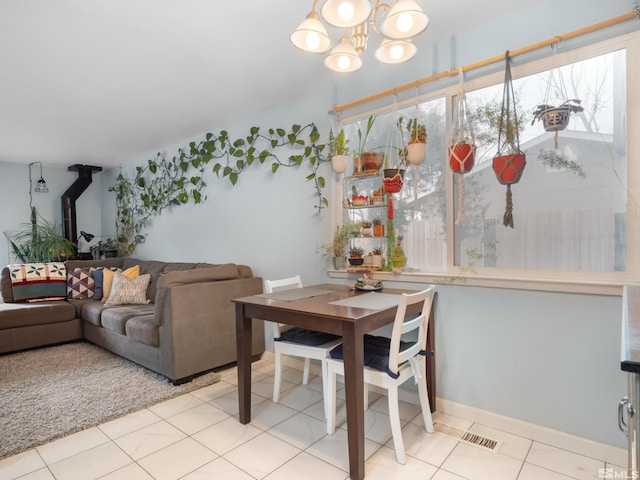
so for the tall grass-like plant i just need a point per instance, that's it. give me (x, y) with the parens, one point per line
(40, 241)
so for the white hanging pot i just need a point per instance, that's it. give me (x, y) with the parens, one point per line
(416, 152)
(339, 163)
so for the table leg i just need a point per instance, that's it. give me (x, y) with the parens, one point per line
(353, 358)
(243, 347)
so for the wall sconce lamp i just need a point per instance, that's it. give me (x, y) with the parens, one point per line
(41, 185)
(400, 23)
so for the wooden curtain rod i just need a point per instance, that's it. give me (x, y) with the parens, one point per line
(488, 61)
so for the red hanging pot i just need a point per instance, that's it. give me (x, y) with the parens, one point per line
(393, 179)
(509, 168)
(462, 157)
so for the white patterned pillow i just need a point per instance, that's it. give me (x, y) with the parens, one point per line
(129, 291)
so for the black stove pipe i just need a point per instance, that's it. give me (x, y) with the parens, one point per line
(71, 195)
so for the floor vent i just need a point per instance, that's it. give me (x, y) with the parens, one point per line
(467, 437)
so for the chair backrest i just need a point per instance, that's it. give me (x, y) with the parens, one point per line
(403, 325)
(271, 286)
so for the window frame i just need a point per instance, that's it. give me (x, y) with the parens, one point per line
(573, 281)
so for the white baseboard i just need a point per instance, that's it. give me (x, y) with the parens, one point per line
(589, 448)
(556, 438)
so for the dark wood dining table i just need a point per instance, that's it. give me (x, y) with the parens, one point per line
(318, 313)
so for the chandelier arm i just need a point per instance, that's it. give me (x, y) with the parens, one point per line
(374, 15)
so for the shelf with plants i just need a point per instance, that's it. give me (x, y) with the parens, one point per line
(366, 207)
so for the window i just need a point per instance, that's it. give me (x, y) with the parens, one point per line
(573, 206)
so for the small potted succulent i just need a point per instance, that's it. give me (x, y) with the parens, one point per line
(355, 255)
(378, 257)
(366, 229)
(378, 227)
(417, 145)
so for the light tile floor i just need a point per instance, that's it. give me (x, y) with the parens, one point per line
(197, 436)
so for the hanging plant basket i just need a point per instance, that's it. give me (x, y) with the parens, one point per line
(462, 149)
(339, 163)
(416, 152)
(462, 157)
(509, 161)
(393, 179)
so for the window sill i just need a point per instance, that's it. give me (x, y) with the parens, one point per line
(547, 281)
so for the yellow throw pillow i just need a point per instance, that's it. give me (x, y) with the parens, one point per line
(107, 282)
(132, 272)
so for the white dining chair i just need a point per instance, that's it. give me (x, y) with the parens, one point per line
(389, 363)
(298, 342)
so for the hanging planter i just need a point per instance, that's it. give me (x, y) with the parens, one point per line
(462, 151)
(556, 119)
(339, 163)
(338, 150)
(417, 145)
(509, 161)
(393, 179)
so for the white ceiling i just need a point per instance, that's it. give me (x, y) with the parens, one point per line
(102, 81)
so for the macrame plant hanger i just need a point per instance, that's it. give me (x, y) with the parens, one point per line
(509, 161)
(394, 183)
(552, 120)
(463, 146)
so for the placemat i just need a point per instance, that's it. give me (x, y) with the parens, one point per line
(371, 301)
(295, 294)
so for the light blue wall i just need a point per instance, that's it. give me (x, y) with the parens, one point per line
(14, 194)
(546, 358)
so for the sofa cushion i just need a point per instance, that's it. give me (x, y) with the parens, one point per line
(80, 283)
(38, 281)
(129, 291)
(15, 315)
(115, 318)
(144, 330)
(107, 281)
(98, 279)
(92, 312)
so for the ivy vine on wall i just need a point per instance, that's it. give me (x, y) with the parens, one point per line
(179, 180)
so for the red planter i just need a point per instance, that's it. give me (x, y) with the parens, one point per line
(509, 168)
(462, 157)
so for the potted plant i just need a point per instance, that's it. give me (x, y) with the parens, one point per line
(378, 257)
(556, 118)
(366, 229)
(338, 247)
(40, 241)
(509, 161)
(338, 151)
(378, 227)
(417, 145)
(378, 196)
(355, 255)
(372, 158)
(399, 259)
(106, 248)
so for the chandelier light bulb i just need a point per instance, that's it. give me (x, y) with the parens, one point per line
(312, 41)
(311, 36)
(404, 22)
(395, 51)
(343, 58)
(345, 11)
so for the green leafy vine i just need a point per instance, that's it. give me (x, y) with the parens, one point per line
(179, 180)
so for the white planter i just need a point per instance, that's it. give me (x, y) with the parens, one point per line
(377, 261)
(416, 152)
(339, 163)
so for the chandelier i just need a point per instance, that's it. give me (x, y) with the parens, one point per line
(400, 23)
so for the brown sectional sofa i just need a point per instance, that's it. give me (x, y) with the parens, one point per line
(187, 328)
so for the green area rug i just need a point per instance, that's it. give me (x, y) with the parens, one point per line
(51, 392)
